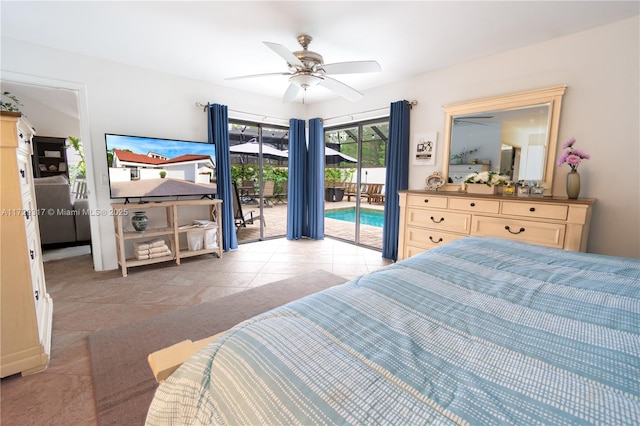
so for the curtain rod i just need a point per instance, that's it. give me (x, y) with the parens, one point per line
(264, 117)
(411, 104)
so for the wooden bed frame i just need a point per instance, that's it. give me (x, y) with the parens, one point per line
(165, 361)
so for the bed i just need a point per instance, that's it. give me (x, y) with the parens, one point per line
(478, 331)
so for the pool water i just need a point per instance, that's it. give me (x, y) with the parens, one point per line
(367, 217)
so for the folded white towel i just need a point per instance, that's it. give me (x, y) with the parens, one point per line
(152, 250)
(162, 254)
(146, 245)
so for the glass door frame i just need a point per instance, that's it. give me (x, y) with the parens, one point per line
(359, 126)
(261, 127)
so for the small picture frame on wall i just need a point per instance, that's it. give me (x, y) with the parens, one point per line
(424, 149)
(52, 154)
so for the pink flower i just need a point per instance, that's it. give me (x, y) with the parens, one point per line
(569, 143)
(573, 160)
(572, 156)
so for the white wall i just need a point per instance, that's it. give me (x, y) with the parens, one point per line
(128, 100)
(600, 109)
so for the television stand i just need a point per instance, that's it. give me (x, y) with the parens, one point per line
(170, 233)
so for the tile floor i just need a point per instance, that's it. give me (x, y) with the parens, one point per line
(86, 301)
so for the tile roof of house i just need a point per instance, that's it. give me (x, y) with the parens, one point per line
(141, 158)
(188, 157)
(136, 158)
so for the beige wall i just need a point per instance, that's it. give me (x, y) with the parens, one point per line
(601, 110)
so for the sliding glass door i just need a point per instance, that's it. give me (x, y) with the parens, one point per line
(355, 173)
(259, 168)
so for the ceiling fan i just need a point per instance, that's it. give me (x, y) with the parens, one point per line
(307, 69)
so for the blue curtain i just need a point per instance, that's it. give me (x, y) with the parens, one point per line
(219, 135)
(296, 191)
(315, 180)
(397, 177)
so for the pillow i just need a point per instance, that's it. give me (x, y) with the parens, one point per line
(52, 179)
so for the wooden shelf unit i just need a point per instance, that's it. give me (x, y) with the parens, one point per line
(49, 156)
(172, 231)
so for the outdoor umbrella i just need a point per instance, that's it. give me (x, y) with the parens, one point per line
(334, 157)
(253, 148)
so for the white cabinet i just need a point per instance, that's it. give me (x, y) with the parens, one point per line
(169, 229)
(457, 172)
(429, 219)
(27, 309)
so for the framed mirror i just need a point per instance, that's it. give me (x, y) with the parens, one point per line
(514, 134)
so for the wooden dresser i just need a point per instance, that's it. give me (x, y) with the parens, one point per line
(429, 219)
(27, 309)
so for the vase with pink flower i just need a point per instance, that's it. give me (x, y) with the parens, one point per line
(573, 157)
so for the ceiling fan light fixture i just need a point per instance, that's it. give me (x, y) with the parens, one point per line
(305, 80)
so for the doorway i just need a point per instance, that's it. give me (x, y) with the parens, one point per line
(62, 115)
(355, 174)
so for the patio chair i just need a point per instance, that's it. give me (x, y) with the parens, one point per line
(374, 193)
(281, 195)
(240, 218)
(351, 190)
(268, 192)
(248, 192)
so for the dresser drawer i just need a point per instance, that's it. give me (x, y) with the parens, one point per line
(474, 205)
(439, 219)
(541, 233)
(536, 210)
(24, 139)
(427, 201)
(429, 238)
(24, 172)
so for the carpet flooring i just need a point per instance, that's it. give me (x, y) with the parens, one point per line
(122, 380)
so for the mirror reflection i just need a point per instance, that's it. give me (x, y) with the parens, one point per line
(515, 134)
(514, 142)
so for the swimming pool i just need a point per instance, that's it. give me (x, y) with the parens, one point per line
(367, 217)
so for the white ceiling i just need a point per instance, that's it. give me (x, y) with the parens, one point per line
(213, 40)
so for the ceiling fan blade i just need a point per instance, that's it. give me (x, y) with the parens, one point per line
(341, 89)
(291, 93)
(285, 54)
(352, 67)
(257, 75)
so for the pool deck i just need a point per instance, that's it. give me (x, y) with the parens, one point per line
(275, 218)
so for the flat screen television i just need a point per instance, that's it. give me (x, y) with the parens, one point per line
(143, 167)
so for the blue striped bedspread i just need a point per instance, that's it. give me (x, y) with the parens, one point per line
(479, 331)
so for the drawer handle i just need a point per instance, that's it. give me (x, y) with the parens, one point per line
(21, 136)
(435, 242)
(37, 294)
(426, 200)
(27, 214)
(437, 221)
(515, 233)
(32, 254)
(473, 204)
(22, 173)
(532, 209)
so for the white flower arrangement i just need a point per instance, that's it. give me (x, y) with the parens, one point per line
(487, 178)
